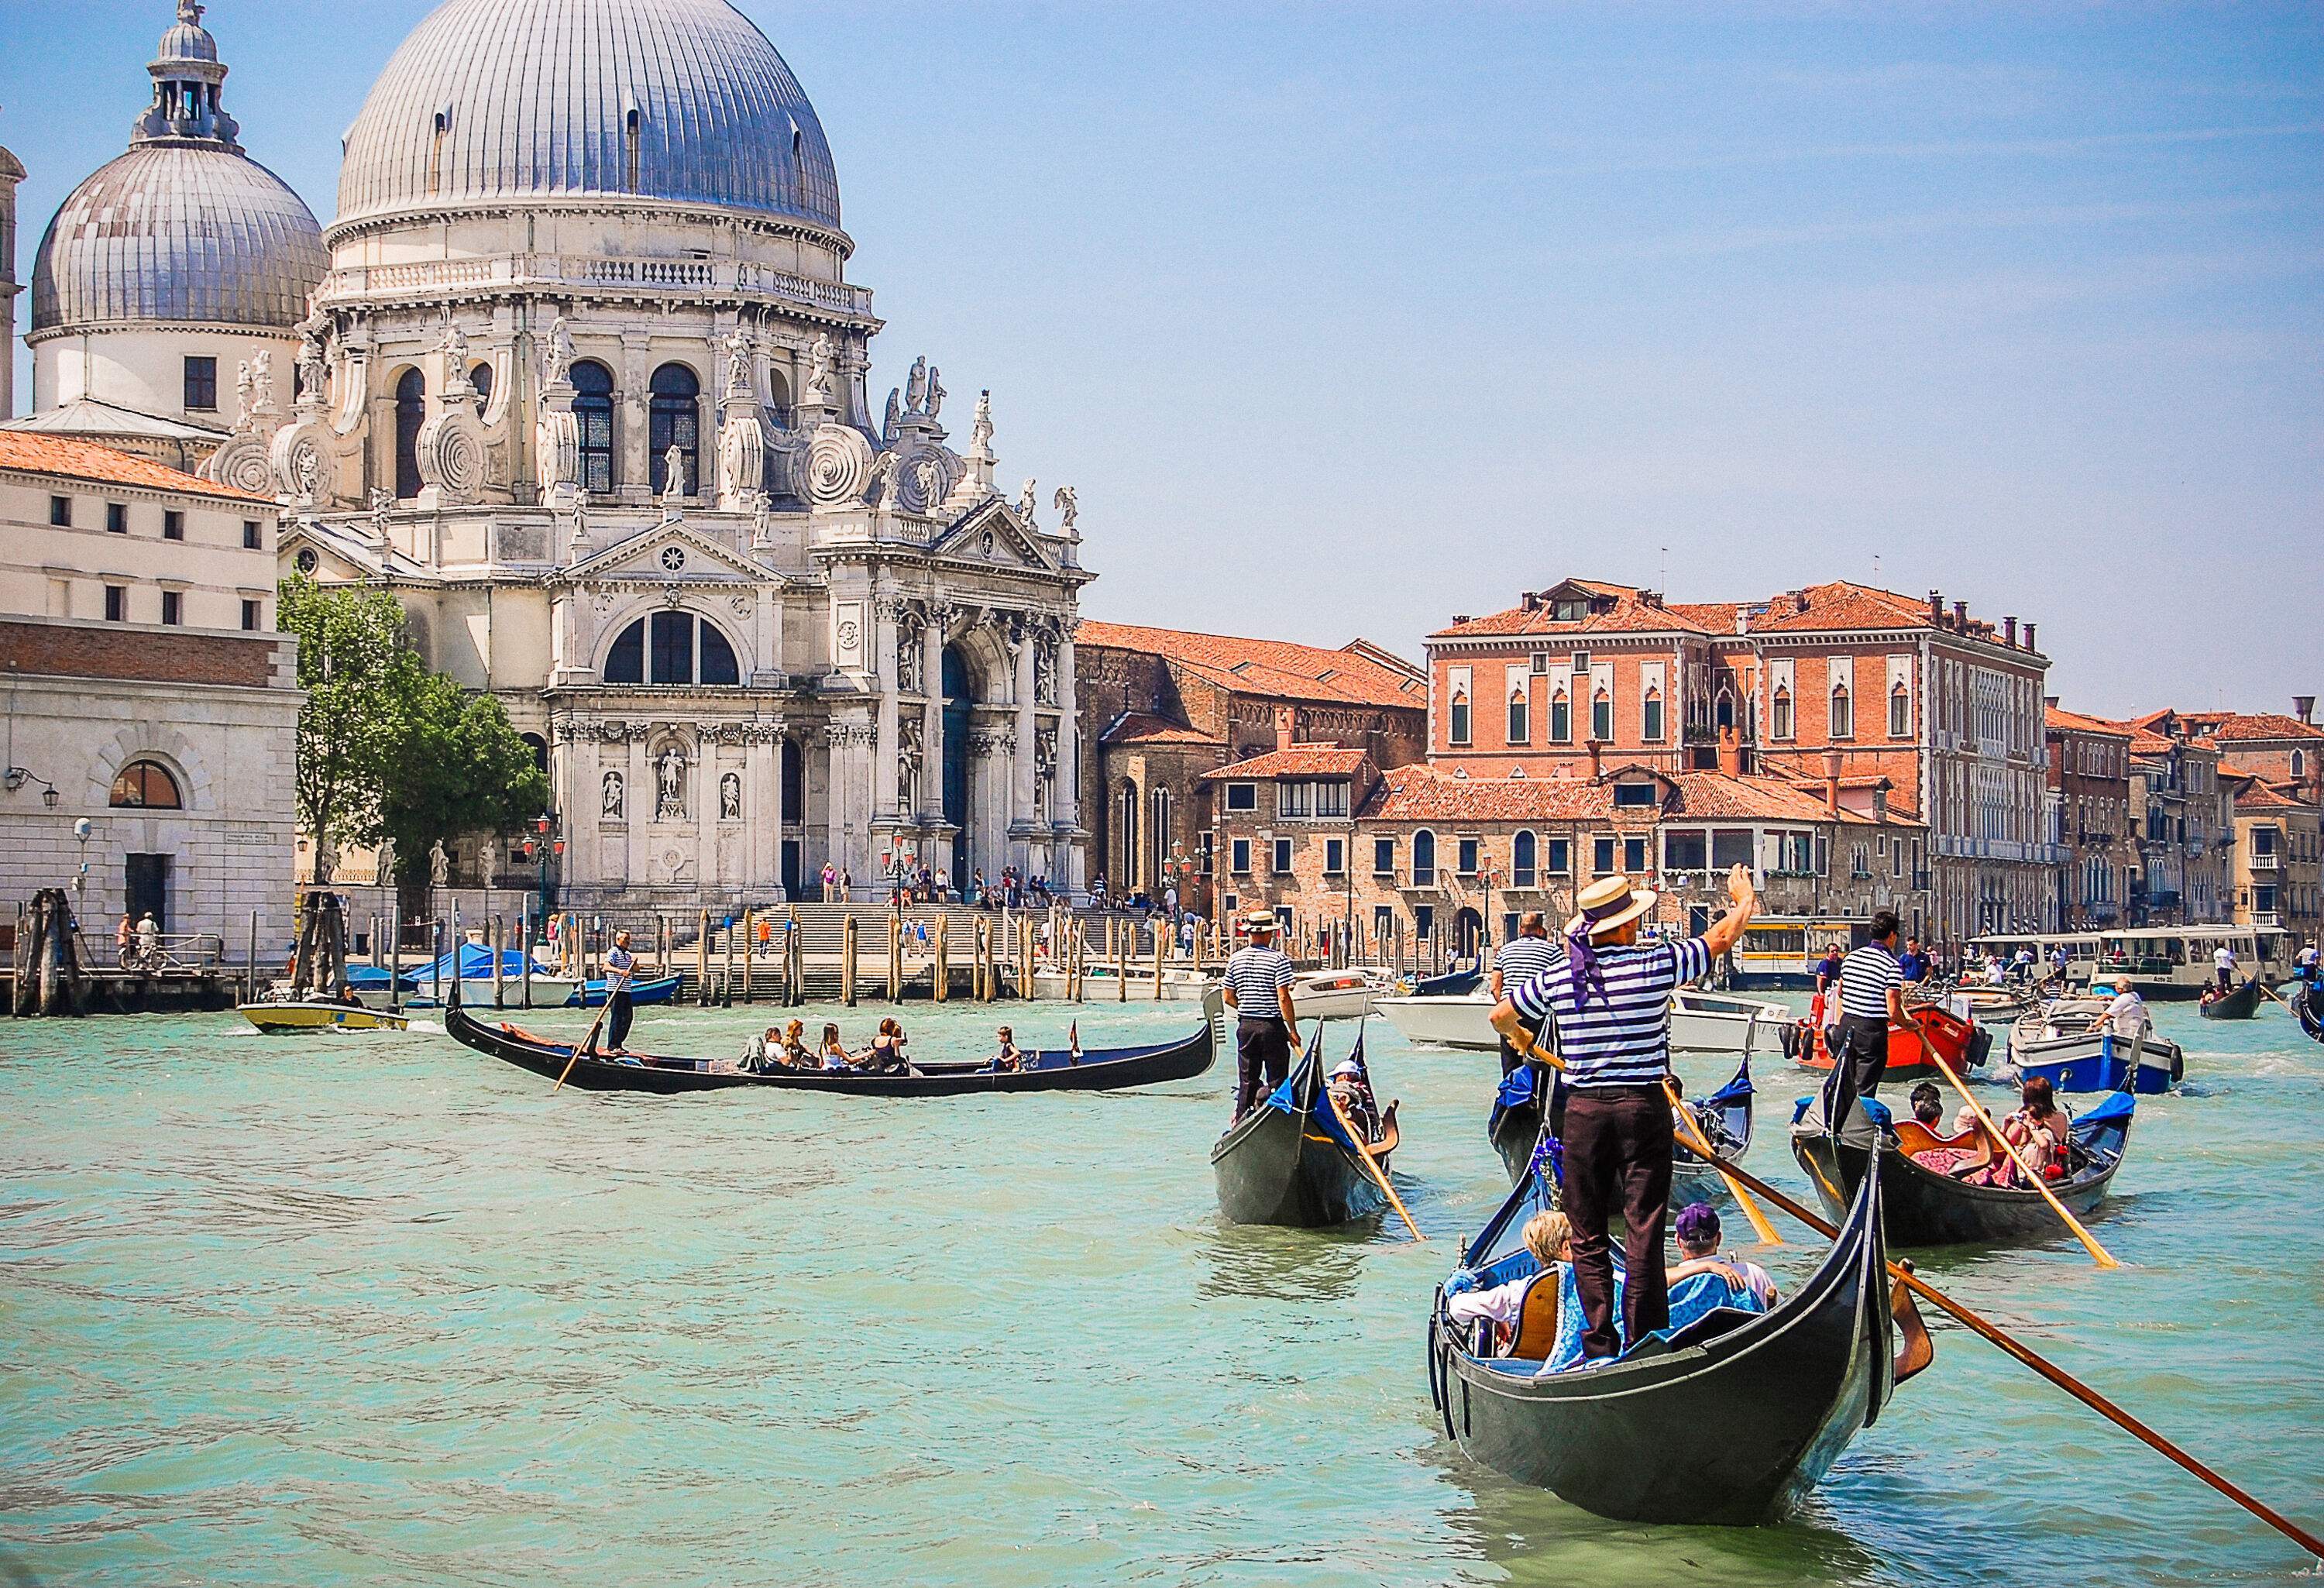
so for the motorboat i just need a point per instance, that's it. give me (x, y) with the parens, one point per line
(2071, 1042)
(1345, 995)
(1701, 1023)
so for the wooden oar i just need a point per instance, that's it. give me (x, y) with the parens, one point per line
(1684, 1117)
(2098, 1253)
(2267, 991)
(588, 1041)
(1737, 1179)
(1379, 1174)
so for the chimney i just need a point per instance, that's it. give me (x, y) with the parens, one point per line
(1731, 751)
(2029, 638)
(1936, 609)
(2303, 707)
(1596, 749)
(2050, 701)
(1742, 620)
(2009, 633)
(1286, 720)
(1831, 784)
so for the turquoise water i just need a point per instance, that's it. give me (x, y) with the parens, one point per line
(375, 1309)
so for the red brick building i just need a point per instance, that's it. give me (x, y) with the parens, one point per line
(1160, 708)
(2089, 783)
(1946, 708)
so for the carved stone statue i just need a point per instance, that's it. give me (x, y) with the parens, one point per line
(611, 797)
(819, 359)
(762, 522)
(980, 431)
(886, 469)
(454, 349)
(730, 796)
(670, 785)
(1026, 501)
(558, 368)
(1045, 768)
(740, 387)
(262, 381)
(439, 865)
(382, 502)
(383, 865)
(673, 473)
(314, 373)
(1069, 508)
(910, 645)
(915, 386)
(1044, 672)
(245, 411)
(895, 412)
(936, 392)
(907, 763)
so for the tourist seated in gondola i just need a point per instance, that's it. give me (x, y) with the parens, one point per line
(1007, 1056)
(1501, 1312)
(831, 1053)
(886, 1054)
(1928, 1104)
(1961, 1150)
(1353, 1090)
(2042, 1134)
(1705, 1277)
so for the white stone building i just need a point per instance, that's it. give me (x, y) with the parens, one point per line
(146, 693)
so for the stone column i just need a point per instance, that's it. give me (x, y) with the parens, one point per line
(703, 790)
(1020, 763)
(1065, 807)
(638, 802)
(885, 806)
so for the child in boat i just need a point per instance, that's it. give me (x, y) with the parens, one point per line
(833, 1054)
(1353, 1094)
(1007, 1056)
(1705, 1277)
(2042, 1134)
(1928, 1108)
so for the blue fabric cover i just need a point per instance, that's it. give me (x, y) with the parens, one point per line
(1516, 1088)
(2115, 1105)
(1700, 1294)
(1570, 1323)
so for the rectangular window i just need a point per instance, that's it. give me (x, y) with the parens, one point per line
(61, 511)
(1634, 855)
(1634, 796)
(1335, 857)
(1383, 922)
(1465, 852)
(1292, 799)
(1209, 850)
(1239, 856)
(117, 604)
(173, 524)
(250, 615)
(1383, 857)
(173, 607)
(672, 635)
(1459, 728)
(252, 537)
(1424, 917)
(1581, 664)
(1602, 717)
(1650, 720)
(1242, 796)
(2264, 899)
(1685, 852)
(1561, 856)
(1332, 799)
(1730, 846)
(1601, 856)
(1282, 855)
(201, 382)
(116, 518)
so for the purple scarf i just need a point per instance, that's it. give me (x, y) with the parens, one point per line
(1587, 973)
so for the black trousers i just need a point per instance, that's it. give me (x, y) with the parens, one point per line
(1510, 1057)
(1617, 1154)
(1860, 1057)
(1262, 1048)
(617, 1019)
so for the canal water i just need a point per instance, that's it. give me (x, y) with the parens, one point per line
(375, 1309)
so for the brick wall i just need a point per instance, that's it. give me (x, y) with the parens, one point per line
(84, 650)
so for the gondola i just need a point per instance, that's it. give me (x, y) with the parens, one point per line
(1288, 1162)
(2308, 1003)
(1049, 1069)
(1514, 1128)
(591, 994)
(1728, 1420)
(1928, 1208)
(1961, 1043)
(2241, 1003)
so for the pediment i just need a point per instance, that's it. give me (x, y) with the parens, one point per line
(334, 555)
(669, 553)
(991, 535)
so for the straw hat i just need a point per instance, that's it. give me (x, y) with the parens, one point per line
(1261, 920)
(1607, 903)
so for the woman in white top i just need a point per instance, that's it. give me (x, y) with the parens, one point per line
(1550, 1239)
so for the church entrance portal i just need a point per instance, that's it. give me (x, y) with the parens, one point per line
(957, 699)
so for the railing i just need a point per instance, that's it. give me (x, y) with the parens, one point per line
(523, 271)
(2266, 862)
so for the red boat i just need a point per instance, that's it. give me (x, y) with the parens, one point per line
(1961, 1043)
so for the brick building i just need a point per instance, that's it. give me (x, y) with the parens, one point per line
(1945, 708)
(2089, 777)
(1415, 853)
(2182, 822)
(1160, 708)
(2277, 880)
(149, 694)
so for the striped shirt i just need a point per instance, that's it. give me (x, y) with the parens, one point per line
(1521, 959)
(1621, 1036)
(1865, 977)
(1253, 974)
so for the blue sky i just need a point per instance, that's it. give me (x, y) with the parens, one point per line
(1346, 319)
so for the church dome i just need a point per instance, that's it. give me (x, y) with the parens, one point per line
(490, 103)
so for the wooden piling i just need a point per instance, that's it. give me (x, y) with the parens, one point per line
(750, 956)
(493, 936)
(702, 958)
(942, 986)
(1120, 947)
(1161, 937)
(895, 956)
(847, 957)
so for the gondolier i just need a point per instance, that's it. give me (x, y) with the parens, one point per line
(1520, 959)
(1611, 996)
(620, 967)
(1871, 1005)
(1258, 990)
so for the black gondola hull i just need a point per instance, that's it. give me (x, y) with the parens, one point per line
(1279, 1168)
(1729, 1427)
(1929, 1209)
(2241, 1004)
(1095, 1071)
(1515, 1133)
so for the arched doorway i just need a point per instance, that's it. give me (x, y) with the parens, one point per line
(794, 795)
(1467, 926)
(957, 698)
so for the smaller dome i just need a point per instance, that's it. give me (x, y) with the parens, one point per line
(186, 41)
(187, 233)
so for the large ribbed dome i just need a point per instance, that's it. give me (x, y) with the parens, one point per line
(184, 232)
(494, 101)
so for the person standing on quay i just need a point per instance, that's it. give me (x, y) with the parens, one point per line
(1871, 1005)
(1520, 959)
(620, 964)
(1611, 997)
(1258, 990)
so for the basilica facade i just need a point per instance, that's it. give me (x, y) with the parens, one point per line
(585, 384)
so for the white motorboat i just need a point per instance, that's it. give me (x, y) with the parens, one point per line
(1463, 1020)
(1343, 994)
(1701, 1023)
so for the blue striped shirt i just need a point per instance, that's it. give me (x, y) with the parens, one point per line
(1521, 959)
(1865, 977)
(1253, 974)
(1620, 1037)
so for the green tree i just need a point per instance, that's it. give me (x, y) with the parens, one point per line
(387, 748)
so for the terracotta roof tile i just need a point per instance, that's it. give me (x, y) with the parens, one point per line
(2075, 720)
(2242, 726)
(1139, 728)
(2256, 796)
(1841, 604)
(31, 453)
(1355, 674)
(1421, 793)
(1629, 616)
(1311, 760)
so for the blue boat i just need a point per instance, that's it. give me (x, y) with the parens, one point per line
(2100, 1062)
(592, 994)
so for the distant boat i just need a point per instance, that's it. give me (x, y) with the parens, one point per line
(286, 1016)
(2240, 1004)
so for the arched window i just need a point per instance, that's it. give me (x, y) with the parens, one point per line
(1522, 869)
(410, 413)
(778, 398)
(1561, 717)
(1843, 713)
(2299, 765)
(1601, 716)
(481, 378)
(1128, 848)
(539, 748)
(1650, 716)
(593, 409)
(1780, 712)
(1900, 713)
(1520, 724)
(145, 785)
(676, 421)
(1723, 715)
(1459, 727)
(671, 648)
(1423, 859)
